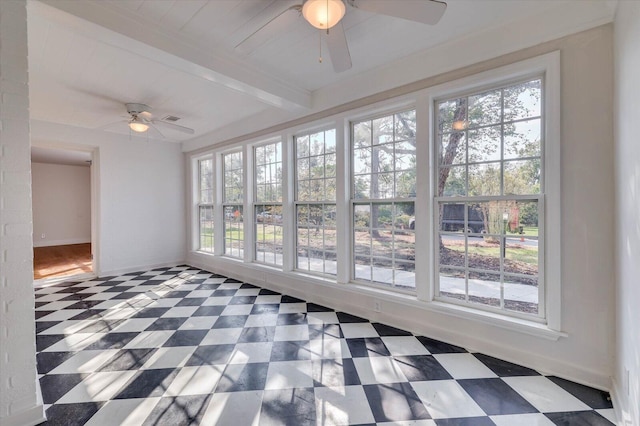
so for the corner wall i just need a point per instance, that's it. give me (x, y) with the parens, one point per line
(627, 219)
(19, 404)
(61, 204)
(139, 183)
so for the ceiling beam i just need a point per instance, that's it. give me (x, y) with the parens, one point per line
(170, 48)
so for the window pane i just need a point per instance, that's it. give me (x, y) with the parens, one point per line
(484, 179)
(452, 148)
(233, 178)
(268, 226)
(268, 170)
(523, 100)
(206, 180)
(485, 108)
(484, 144)
(233, 231)
(316, 238)
(484, 288)
(316, 167)
(453, 283)
(522, 177)
(522, 139)
(206, 228)
(452, 181)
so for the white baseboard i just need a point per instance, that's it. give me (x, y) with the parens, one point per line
(123, 271)
(49, 243)
(31, 417)
(621, 405)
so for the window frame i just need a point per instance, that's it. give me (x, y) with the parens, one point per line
(199, 204)
(256, 203)
(296, 202)
(390, 110)
(548, 68)
(238, 205)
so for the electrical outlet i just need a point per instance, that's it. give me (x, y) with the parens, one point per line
(377, 306)
(43, 236)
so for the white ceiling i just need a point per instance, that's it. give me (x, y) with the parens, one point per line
(87, 58)
(60, 156)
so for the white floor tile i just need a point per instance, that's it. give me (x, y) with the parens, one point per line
(221, 336)
(342, 406)
(198, 323)
(545, 395)
(464, 366)
(378, 370)
(237, 310)
(251, 352)
(609, 414)
(75, 342)
(134, 324)
(84, 362)
(62, 315)
(248, 292)
(97, 387)
(322, 318)
(408, 423)
(268, 299)
(446, 398)
(236, 408)
(404, 345)
(289, 374)
(293, 308)
(291, 333)
(534, 419)
(149, 339)
(195, 380)
(262, 320)
(329, 348)
(172, 357)
(124, 412)
(180, 312)
(55, 306)
(358, 330)
(217, 301)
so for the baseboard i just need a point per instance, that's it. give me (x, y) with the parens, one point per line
(31, 417)
(620, 405)
(46, 282)
(127, 270)
(49, 243)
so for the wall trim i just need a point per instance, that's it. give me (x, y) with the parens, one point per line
(50, 243)
(620, 404)
(130, 269)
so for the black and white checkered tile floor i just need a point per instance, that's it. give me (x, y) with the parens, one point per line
(176, 346)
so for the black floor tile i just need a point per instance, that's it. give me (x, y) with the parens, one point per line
(242, 300)
(55, 386)
(191, 301)
(47, 361)
(151, 313)
(208, 311)
(292, 319)
(243, 377)
(128, 359)
(369, 346)
(257, 334)
(186, 338)
(578, 418)
(312, 307)
(495, 397)
(504, 368)
(166, 324)
(181, 410)
(335, 372)
(466, 421)
(71, 414)
(44, 341)
(211, 355)
(230, 321)
(344, 317)
(112, 341)
(395, 402)
(290, 407)
(386, 330)
(290, 351)
(418, 368)
(438, 347)
(148, 383)
(594, 398)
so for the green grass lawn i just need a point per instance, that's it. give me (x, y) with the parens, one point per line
(530, 231)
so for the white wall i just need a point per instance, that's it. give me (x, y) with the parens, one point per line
(627, 221)
(586, 354)
(61, 199)
(140, 185)
(19, 404)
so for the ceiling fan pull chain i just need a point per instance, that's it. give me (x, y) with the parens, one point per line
(320, 45)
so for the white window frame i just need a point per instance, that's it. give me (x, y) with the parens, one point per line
(548, 67)
(296, 202)
(237, 204)
(199, 204)
(257, 203)
(350, 181)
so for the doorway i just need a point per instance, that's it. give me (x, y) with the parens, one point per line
(62, 199)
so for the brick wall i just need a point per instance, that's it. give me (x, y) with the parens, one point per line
(18, 402)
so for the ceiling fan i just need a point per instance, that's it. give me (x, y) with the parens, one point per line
(327, 15)
(140, 120)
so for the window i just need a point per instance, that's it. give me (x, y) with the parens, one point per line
(488, 198)
(316, 202)
(205, 204)
(233, 203)
(383, 193)
(268, 204)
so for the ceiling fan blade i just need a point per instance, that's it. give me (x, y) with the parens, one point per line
(338, 48)
(154, 129)
(266, 32)
(424, 11)
(173, 127)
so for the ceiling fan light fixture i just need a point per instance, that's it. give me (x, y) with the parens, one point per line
(137, 125)
(323, 14)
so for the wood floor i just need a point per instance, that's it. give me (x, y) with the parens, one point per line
(61, 261)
